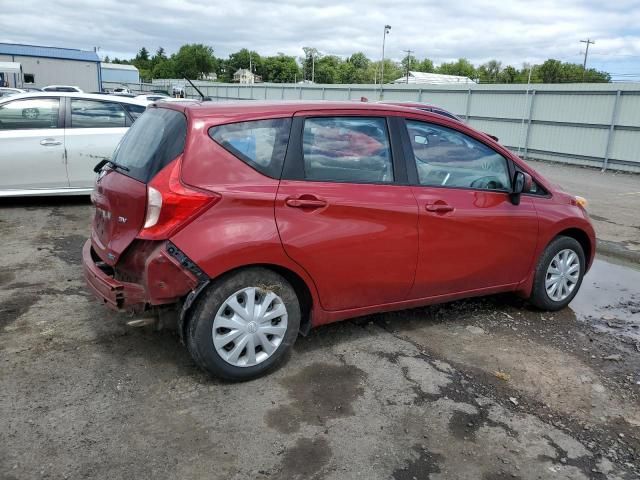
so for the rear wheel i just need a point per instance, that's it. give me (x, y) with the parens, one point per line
(244, 325)
(558, 274)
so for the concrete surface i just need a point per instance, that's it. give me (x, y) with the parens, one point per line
(614, 204)
(479, 389)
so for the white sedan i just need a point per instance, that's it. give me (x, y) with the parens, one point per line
(50, 141)
(6, 91)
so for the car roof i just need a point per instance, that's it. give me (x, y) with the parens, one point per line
(278, 107)
(87, 96)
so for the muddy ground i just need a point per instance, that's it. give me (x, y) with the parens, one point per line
(479, 389)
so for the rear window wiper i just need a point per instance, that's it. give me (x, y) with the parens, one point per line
(113, 164)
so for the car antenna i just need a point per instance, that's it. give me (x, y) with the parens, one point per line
(197, 89)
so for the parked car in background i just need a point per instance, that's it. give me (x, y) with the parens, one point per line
(152, 97)
(50, 141)
(257, 221)
(7, 91)
(61, 88)
(121, 90)
(427, 108)
(433, 109)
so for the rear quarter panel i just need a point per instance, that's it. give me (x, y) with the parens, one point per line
(240, 229)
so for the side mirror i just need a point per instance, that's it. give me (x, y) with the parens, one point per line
(521, 183)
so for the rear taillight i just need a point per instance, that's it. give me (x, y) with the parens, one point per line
(171, 205)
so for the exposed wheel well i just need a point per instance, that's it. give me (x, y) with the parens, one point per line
(298, 284)
(581, 237)
(302, 291)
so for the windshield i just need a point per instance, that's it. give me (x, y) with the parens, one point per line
(152, 142)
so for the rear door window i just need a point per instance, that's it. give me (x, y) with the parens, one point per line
(152, 142)
(347, 149)
(134, 110)
(261, 144)
(448, 158)
(96, 114)
(29, 114)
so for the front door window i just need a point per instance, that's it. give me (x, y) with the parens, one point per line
(449, 158)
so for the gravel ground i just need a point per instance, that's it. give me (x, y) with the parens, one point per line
(478, 389)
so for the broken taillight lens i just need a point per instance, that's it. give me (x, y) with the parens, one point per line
(172, 205)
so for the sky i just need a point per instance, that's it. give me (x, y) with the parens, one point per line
(513, 31)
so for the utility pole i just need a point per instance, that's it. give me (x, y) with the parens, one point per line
(387, 29)
(313, 66)
(409, 52)
(588, 41)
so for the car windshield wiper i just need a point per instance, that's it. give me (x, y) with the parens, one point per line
(113, 164)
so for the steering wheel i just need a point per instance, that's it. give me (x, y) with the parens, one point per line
(489, 182)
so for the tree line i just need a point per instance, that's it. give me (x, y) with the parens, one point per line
(197, 61)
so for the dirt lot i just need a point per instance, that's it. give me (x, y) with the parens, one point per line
(481, 389)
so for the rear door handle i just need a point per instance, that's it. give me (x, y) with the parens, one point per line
(439, 208)
(50, 142)
(305, 202)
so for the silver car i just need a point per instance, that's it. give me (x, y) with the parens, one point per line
(6, 91)
(50, 141)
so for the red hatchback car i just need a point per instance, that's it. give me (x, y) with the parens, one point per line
(258, 221)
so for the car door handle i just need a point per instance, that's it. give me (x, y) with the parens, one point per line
(305, 202)
(50, 142)
(439, 208)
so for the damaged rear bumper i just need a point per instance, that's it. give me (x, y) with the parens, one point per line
(166, 281)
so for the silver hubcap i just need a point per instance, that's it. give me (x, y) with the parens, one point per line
(562, 275)
(249, 326)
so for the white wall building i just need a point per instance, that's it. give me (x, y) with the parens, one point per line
(243, 75)
(119, 73)
(433, 79)
(42, 66)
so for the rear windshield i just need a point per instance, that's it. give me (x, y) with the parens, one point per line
(152, 142)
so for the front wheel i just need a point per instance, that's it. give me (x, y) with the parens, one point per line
(244, 325)
(30, 113)
(558, 274)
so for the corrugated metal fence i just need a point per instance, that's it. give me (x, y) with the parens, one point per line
(587, 124)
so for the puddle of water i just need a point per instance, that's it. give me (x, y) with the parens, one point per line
(610, 299)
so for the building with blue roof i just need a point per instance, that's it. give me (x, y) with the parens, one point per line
(42, 66)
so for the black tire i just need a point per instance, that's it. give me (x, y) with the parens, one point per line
(539, 296)
(199, 338)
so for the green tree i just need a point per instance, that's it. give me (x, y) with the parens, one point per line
(327, 69)
(551, 71)
(107, 59)
(392, 71)
(359, 61)
(409, 63)
(194, 61)
(311, 56)
(280, 69)
(141, 60)
(354, 69)
(164, 69)
(489, 72)
(160, 56)
(508, 75)
(425, 65)
(243, 59)
(462, 67)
